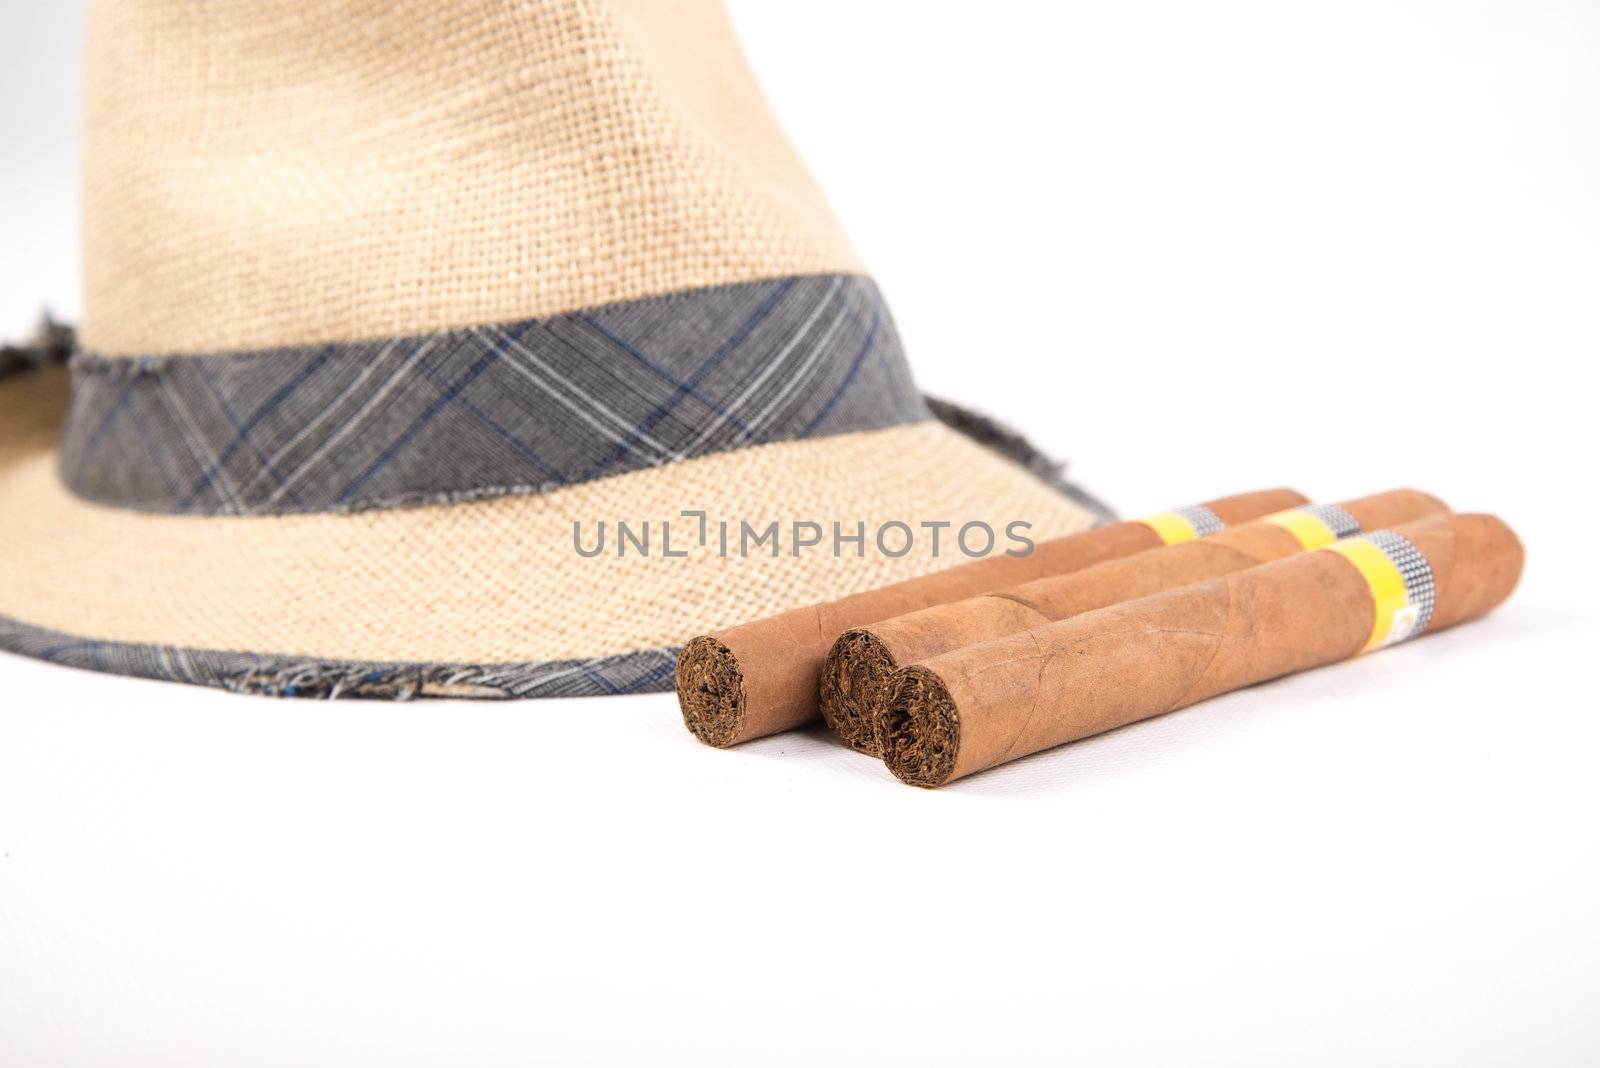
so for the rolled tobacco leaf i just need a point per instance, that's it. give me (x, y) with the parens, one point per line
(759, 678)
(983, 705)
(864, 659)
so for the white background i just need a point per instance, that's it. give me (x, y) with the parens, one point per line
(1198, 248)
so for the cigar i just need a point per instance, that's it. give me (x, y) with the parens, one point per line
(863, 660)
(982, 705)
(759, 678)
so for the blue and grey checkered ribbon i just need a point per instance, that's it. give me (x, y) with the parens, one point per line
(481, 411)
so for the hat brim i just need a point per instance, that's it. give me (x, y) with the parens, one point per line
(484, 598)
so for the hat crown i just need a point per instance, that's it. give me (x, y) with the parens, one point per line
(267, 173)
(359, 254)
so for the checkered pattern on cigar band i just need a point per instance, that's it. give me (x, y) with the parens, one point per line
(1339, 521)
(1415, 572)
(1401, 581)
(1184, 524)
(1317, 525)
(1203, 519)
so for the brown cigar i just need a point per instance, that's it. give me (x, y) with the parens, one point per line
(982, 705)
(864, 659)
(760, 678)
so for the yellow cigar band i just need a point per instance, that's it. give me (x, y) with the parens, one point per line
(1184, 524)
(1316, 526)
(1400, 580)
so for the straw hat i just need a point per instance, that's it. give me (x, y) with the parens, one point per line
(388, 305)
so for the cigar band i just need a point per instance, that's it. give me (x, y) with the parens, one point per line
(1316, 525)
(1401, 582)
(1184, 524)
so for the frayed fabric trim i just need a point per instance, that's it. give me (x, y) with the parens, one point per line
(645, 671)
(51, 345)
(1014, 446)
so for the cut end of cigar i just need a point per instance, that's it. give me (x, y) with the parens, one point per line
(711, 691)
(855, 682)
(918, 730)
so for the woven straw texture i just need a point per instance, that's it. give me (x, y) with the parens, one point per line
(280, 172)
(486, 582)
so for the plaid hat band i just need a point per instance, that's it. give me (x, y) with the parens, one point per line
(485, 411)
